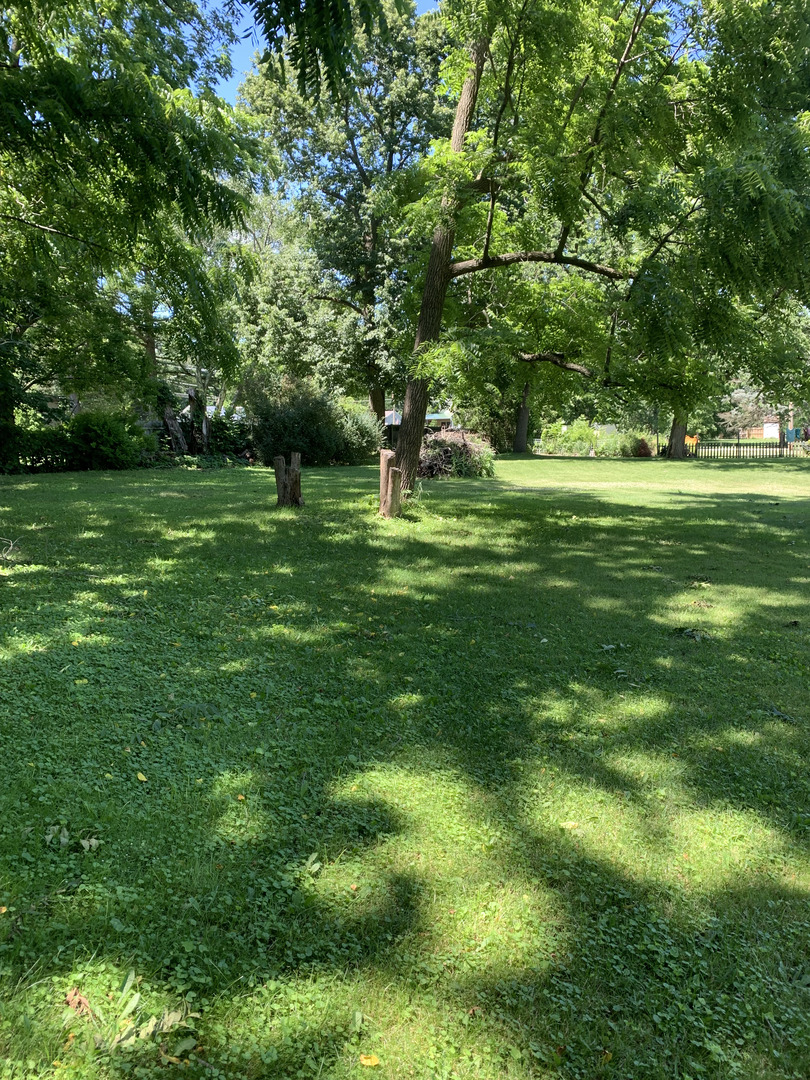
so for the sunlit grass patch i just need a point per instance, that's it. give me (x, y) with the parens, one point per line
(515, 786)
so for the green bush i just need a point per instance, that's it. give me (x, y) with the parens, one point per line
(362, 434)
(456, 453)
(577, 439)
(324, 433)
(580, 438)
(100, 440)
(44, 450)
(629, 444)
(229, 435)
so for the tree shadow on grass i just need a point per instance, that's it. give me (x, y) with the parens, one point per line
(497, 655)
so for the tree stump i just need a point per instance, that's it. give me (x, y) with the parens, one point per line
(390, 486)
(178, 439)
(386, 460)
(288, 480)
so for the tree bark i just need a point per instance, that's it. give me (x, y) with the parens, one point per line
(392, 503)
(677, 435)
(522, 429)
(376, 402)
(288, 480)
(178, 439)
(386, 461)
(437, 279)
(150, 348)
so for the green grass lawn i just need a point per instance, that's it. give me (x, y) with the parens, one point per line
(515, 786)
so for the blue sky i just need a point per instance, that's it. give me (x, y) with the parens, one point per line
(252, 42)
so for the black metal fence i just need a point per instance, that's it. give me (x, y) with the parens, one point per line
(739, 450)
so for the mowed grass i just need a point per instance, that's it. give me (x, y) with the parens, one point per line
(515, 786)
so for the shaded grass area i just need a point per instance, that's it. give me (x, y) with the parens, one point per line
(515, 786)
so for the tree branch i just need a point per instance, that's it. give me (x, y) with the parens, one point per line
(338, 300)
(355, 157)
(58, 232)
(639, 19)
(558, 359)
(472, 266)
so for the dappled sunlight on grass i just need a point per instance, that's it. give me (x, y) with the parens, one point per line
(523, 774)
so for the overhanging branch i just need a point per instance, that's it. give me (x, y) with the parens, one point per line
(558, 359)
(491, 262)
(339, 301)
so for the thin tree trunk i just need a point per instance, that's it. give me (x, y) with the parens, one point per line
(434, 293)
(522, 429)
(677, 435)
(376, 402)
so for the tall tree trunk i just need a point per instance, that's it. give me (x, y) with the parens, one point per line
(677, 435)
(522, 429)
(150, 348)
(376, 402)
(429, 327)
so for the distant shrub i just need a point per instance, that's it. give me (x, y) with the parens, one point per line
(301, 420)
(44, 450)
(576, 439)
(581, 437)
(322, 431)
(362, 434)
(229, 435)
(495, 419)
(629, 444)
(100, 440)
(456, 453)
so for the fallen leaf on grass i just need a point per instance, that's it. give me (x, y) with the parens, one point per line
(240, 798)
(142, 777)
(369, 1060)
(569, 824)
(78, 1002)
